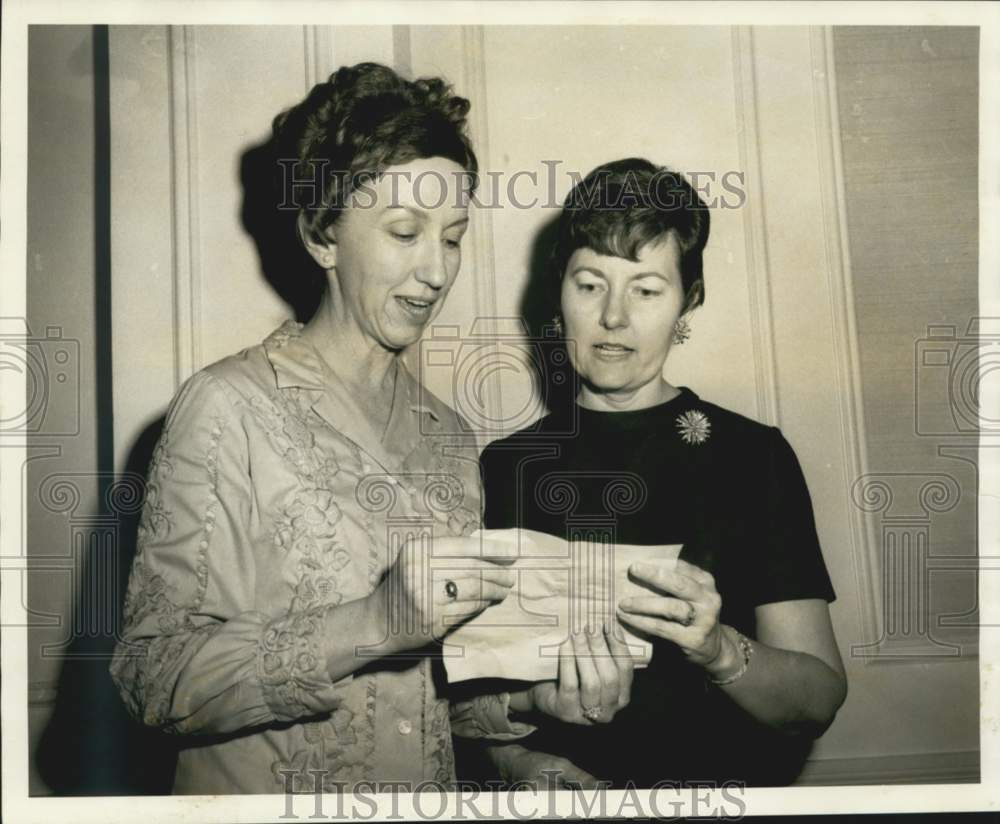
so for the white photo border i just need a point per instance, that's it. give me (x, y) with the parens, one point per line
(18, 14)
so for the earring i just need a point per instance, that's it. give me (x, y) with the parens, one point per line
(557, 324)
(682, 331)
(328, 261)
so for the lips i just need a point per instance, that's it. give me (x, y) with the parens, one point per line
(420, 303)
(416, 307)
(612, 352)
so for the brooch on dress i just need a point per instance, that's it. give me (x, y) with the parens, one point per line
(694, 426)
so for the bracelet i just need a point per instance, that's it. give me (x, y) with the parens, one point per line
(747, 649)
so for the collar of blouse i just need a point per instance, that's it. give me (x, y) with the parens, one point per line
(297, 364)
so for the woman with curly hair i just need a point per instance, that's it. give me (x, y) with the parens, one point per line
(273, 617)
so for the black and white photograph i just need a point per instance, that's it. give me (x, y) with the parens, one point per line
(459, 410)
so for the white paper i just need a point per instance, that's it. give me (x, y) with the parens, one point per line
(561, 587)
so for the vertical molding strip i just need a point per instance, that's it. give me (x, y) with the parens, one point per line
(755, 228)
(864, 539)
(402, 50)
(318, 54)
(474, 76)
(309, 52)
(184, 174)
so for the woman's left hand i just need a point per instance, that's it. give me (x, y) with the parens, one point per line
(687, 611)
(595, 675)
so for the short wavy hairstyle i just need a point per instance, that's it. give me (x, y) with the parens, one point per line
(353, 127)
(623, 205)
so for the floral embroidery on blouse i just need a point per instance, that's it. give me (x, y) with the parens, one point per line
(442, 753)
(252, 531)
(307, 529)
(337, 741)
(154, 524)
(694, 426)
(334, 756)
(282, 415)
(444, 493)
(149, 595)
(292, 663)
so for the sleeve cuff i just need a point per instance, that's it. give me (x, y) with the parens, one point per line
(487, 716)
(292, 666)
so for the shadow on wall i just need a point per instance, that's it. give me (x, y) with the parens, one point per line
(555, 380)
(91, 746)
(284, 262)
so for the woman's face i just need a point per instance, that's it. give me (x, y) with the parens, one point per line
(619, 320)
(397, 250)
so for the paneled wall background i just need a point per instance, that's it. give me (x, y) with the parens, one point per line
(789, 332)
(908, 102)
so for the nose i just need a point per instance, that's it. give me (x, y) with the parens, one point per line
(615, 312)
(432, 269)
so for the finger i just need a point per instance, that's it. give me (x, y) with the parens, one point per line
(575, 778)
(469, 565)
(476, 589)
(476, 570)
(667, 580)
(465, 590)
(502, 576)
(615, 635)
(498, 552)
(673, 609)
(473, 550)
(454, 614)
(569, 684)
(668, 630)
(696, 573)
(626, 667)
(590, 684)
(607, 672)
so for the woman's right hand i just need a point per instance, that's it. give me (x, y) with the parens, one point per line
(522, 768)
(594, 683)
(416, 607)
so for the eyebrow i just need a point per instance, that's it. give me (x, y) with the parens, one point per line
(420, 214)
(638, 276)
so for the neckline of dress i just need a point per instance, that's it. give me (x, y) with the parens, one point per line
(633, 418)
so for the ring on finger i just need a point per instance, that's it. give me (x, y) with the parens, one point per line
(451, 589)
(688, 619)
(593, 713)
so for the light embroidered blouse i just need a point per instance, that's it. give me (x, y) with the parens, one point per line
(271, 500)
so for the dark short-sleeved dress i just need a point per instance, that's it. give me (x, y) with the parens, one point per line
(685, 471)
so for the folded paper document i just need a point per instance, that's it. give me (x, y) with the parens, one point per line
(562, 587)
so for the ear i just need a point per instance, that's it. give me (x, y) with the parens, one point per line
(695, 296)
(321, 246)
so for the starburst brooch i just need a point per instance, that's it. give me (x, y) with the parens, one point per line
(694, 426)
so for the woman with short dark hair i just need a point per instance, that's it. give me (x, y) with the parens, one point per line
(745, 668)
